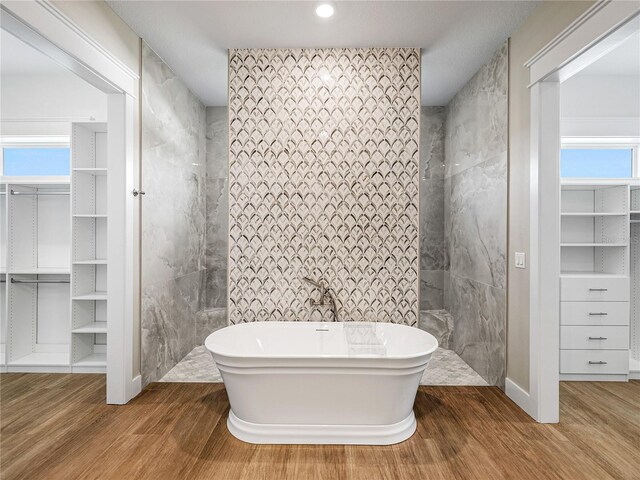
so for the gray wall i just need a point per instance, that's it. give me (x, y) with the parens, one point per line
(214, 315)
(173, 217)
(476, 218)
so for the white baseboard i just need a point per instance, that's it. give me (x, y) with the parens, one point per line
(520, 397)
(136, 387)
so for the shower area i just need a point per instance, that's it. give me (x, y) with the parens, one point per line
(463, 215)
(461, 259)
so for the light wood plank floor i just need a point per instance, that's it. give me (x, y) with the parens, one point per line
(58, 427)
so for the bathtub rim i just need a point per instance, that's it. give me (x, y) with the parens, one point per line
(233, 356)
(299, 434)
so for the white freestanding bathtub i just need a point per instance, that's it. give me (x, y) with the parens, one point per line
(331, 383)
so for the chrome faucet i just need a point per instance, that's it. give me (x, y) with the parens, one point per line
(326, 297)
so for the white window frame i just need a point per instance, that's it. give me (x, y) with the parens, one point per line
(609, 143)
(49, 141)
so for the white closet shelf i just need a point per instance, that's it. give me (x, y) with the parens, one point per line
(593, 244)
(91, 171)
(93, 327)
(92, 360)
(39, 271)
(593, 214)
(89, 215)
(37, 180)
(91, 296)
(592, 275)
(42, 359)
(91, 261)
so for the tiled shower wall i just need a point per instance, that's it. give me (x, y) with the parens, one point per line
(323, 182)
(463, 211)
(475, 192)
(173, 217)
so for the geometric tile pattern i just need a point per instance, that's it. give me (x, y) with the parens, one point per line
(323, 182)
(445, 368)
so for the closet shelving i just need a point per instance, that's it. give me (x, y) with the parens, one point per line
(37, 273)
(598, 264)
(634, 344)
(594, 228)
(53, 265)
(3, 276)
(89, 248)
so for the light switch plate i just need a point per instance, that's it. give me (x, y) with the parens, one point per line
(521, 261)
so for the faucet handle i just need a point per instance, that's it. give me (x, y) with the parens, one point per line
(313, 282)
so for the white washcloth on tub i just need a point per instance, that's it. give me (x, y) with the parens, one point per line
(363, 340)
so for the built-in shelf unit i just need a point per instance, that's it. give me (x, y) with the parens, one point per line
(634, 361)
(89, 247)
(53, 263)
(3, 276)
(599, 263)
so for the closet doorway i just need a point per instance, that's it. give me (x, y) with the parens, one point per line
(583, 236)
(67, 248)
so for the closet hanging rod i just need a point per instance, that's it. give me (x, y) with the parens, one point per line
(43, 192)
(13, 280)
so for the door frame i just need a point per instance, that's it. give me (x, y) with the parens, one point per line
(599, 30)
(44, 27)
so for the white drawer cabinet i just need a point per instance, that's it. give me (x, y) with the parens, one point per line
(594, 362)
(595, 337)
(594, 289)
(594, 313)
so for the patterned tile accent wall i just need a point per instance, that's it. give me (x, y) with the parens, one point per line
(323, 182)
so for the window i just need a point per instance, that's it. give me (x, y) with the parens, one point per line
(598, 161)
(35, 160)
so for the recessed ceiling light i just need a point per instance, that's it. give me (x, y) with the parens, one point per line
(325, 10)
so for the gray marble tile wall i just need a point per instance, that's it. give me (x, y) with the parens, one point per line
(475, 218)
(217, 237)
(432, 253)
(173, 217)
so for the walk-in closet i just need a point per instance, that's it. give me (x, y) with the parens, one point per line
(600, 219)
(53, 213)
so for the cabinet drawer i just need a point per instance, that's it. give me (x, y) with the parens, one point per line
(594, 313)
(606, 337)
(596, 289)
(602, 361)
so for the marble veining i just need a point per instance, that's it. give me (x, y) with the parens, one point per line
(440, 324)
(479, 334)
(217, 228)
(432, 239)
(475, 216)
(324, 182)
(173, 217)
(477, 228)
(477, 117)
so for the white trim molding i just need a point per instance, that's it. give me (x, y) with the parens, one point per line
(37, 22)
(602, 28)
(591, 36)
(520, 397)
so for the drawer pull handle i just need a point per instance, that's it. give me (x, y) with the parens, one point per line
(598, 289)
(597, 338)
(597, 363)
(598, 314)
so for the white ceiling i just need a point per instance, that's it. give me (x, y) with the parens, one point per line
(457, 37)
(624, 60)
